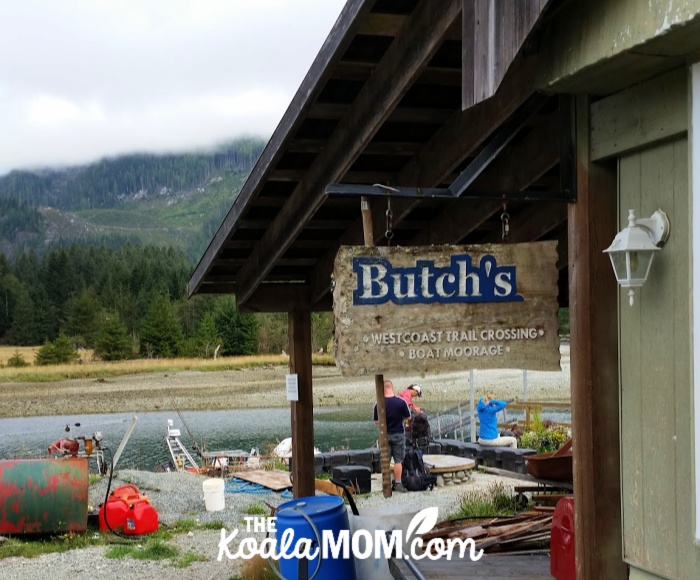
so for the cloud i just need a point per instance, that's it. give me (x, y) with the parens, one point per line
(89, 78)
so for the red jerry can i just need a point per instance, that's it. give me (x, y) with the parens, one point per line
(124, 491)
(128, 511)
(562, 563)
(112, 514)
(141, 518)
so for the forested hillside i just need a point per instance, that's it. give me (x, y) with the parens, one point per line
(126, 303)
(99, 257)
(171, 200)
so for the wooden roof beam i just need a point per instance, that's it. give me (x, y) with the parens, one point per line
(297, 175)
(419, 38)
(432, 75)
(333, 112)
(278, 298)
(525, 162)
(375, 148)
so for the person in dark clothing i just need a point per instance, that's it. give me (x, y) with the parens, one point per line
(396, 412)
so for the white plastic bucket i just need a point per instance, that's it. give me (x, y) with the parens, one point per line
(213, 494)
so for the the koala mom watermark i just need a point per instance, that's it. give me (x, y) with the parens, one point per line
(362, 544)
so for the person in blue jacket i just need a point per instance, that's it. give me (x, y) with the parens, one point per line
(487, 409)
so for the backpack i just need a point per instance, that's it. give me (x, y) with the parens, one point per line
(420, 428)
(414, 477)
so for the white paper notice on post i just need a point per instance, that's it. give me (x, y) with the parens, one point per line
(292, 387)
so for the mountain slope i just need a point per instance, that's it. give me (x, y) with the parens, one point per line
(176, 200)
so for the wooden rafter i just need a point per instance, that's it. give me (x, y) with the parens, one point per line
(417, 41)
(525, 162)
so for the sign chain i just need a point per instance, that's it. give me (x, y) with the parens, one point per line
(505, 224)
(389, 233)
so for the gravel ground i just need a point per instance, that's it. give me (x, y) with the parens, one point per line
(260, 387)
(178, 496)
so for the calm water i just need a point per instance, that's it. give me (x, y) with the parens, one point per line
(239, 429)
(334, 427)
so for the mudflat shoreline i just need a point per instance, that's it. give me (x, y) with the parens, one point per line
(261, 388)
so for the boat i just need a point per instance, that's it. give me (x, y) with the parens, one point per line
(555, 466)
(213, 463)
(284, 450)
(181, 459)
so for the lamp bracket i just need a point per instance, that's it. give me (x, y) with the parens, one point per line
(657, 225)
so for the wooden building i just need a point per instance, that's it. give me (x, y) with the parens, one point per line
(562, 114)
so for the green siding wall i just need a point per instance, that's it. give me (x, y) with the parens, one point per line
(655, 373)
(589, 33)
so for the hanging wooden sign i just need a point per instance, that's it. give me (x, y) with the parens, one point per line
(429, 309)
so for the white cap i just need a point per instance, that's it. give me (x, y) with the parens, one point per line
(417, 389)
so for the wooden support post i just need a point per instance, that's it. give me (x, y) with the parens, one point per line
(593, 313)
(303, 474)
(378, 379)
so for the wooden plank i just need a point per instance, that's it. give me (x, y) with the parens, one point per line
(544, 508)
(552, 497)
(688, 553)
(594, 372)
(425, 335)
(631, 423)
(342, 34)
(524, 477)
(274, 480)
(379, 383)
(407, 55)
(330, 488)
(639, 116)
(496, 31)
(303, 470)
(658, 405)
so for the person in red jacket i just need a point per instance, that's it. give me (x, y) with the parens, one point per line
(408, 395)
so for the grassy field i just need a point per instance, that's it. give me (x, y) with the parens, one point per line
(89, 369)
(26, 352)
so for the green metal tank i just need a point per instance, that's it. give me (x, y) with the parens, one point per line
(42, 496)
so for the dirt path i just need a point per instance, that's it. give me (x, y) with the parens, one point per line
(256, 388)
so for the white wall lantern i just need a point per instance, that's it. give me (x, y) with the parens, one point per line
(632, 250)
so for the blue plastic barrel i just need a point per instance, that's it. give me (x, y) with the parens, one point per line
(326, 513)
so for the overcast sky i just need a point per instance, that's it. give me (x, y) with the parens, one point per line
(85, 79)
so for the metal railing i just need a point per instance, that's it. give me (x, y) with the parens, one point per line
(444, 423)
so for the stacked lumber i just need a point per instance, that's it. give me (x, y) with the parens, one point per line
(524, 532)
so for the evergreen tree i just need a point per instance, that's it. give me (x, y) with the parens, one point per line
(239, 333)
(23, 327)
(113, 341)
(273, 332)
(207, 336)
(321, 330)
(60, 351)
(161, 333)
(82, 316)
